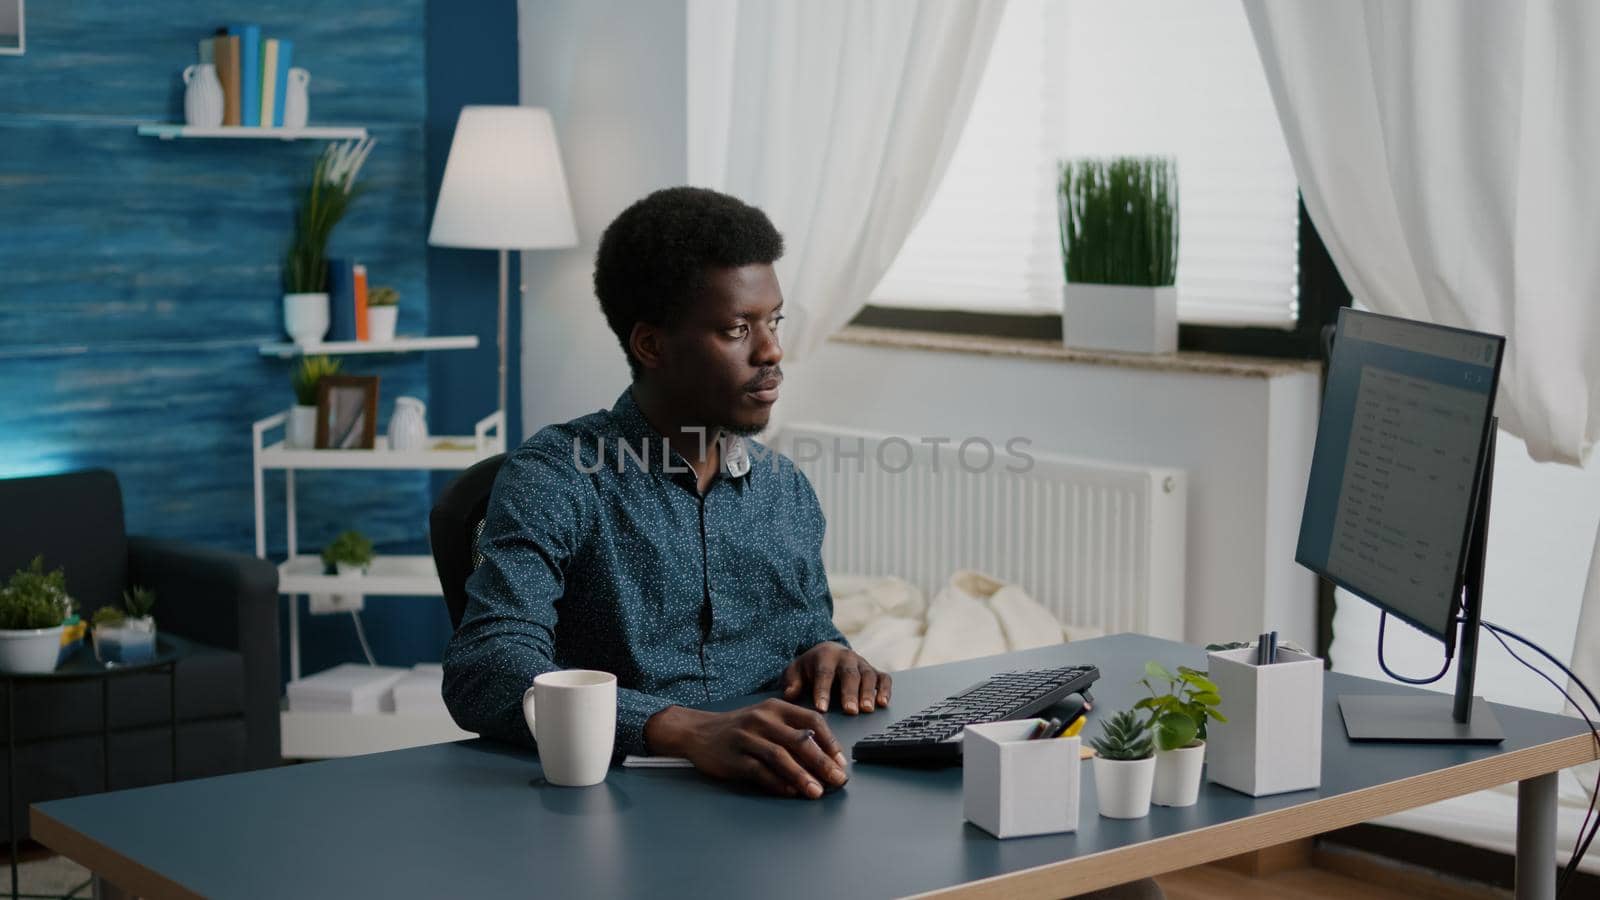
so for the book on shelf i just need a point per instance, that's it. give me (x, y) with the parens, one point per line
(280, 88)
(269, 80)
(359, 273)
(226, 50)
(249, 73)
(341, 300)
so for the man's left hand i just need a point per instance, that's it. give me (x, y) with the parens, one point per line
(861, 687)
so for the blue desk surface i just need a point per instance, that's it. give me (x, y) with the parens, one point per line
(473, 818)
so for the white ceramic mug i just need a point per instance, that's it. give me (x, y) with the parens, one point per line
(578, 709)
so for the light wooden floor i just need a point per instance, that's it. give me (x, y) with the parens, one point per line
(1323, 876)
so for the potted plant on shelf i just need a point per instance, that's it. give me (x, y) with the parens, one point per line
(305, 269)
(127, 635)
(1178, 719)
(1124, 767)
(301, 428)
(349, 554)
(1119, 248)
(383, 309)
(34, 605)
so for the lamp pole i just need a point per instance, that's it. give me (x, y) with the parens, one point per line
(504, 287)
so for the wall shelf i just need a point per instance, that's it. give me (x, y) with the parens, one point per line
(286, 350)
(388, 576)
(169, 131)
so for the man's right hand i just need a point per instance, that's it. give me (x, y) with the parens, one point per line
(786, 749)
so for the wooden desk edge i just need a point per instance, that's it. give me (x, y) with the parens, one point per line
(1203, 845)
(138, 880)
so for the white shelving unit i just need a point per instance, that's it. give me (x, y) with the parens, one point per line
(168, 131)
(323, 734)
(288, 350)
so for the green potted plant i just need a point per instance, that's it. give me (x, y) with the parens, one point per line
(34, 605)
(349, 554)
(305, 267)
(301, 429)
(383, 309)
(1119, 248)
(127, 635)
(1179, 707)
(1124, 766)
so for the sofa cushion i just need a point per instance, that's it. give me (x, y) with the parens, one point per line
(75, 521)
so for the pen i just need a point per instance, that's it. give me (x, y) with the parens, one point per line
(1272, 647)
(1046, 729)
(1073, 729)
(1261, 649)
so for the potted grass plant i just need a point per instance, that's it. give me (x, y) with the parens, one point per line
(348, 554)
(34, 606)
(305, 268)
(126, 636)
(383, 310)
(300, 431)
(1119, 249)
(1179, 706)
(1124, 766)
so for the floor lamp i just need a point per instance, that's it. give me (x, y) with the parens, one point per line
(504, 189)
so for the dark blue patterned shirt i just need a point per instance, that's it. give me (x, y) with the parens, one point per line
(686, 598)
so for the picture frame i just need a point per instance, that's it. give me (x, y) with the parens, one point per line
(347, 412)
(13, 33)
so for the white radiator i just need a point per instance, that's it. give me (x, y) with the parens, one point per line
(1099, 544)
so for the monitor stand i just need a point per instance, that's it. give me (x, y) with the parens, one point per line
(1441, 718)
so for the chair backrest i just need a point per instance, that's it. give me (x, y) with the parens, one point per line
(74, 520)
(454, 527)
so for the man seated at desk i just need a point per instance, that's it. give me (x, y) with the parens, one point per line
(656, 540)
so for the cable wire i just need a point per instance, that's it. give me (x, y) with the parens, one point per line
(1383, 620)
(361, 635)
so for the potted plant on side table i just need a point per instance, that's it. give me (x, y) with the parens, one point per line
(305, 268)
(300, 432)
(33, 607)
(1178, 721)
(349, 554)
(1119, 247)
(1124, 767)
(126, 636)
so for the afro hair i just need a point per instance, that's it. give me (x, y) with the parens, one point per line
(653, 257)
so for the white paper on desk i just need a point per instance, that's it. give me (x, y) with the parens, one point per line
(656, 762)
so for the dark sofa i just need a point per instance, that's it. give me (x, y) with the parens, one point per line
(227, 694)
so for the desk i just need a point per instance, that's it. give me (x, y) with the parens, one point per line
(471, 819)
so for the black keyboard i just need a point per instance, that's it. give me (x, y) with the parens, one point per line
(933, 736)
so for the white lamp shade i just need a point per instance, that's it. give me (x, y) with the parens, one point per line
(504, 188)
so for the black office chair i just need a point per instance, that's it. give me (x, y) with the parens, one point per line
(454, 527)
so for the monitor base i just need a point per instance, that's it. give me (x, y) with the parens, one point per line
(1408, 717)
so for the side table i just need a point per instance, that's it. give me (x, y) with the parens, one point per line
(83, 666)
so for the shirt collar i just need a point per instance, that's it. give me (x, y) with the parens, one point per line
(637, 432)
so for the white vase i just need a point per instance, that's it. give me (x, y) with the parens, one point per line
(296, 103)
(300, 432)
(1122, 786)
(380, 322)
(30, 650)
(305, 317)
(202, 99)
(1117, 317)
(349, 570)
(1177, 781)
(408, 425)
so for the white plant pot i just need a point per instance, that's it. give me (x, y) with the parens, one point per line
(300, 432)
(349, 570)
(131, 643)
(32, 651)
(1122, 786)
(380, 322)
(305, 318)
(1177, 781)
(1123, 318)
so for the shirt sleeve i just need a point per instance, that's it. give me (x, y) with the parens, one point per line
(538, 515)
(814, 579)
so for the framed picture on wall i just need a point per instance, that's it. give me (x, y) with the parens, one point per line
(347, 412)
(12, 34)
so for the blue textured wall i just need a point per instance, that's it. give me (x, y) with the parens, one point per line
(137, 276)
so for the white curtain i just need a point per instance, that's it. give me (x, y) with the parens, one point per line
(838, 118)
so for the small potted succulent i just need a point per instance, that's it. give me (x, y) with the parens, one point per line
(34, 605)
(1179, 706)
(1124, 766)
(301, 430)
(128, 635)
(349, 554)
(383, 310)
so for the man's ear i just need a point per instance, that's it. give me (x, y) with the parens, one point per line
(648, 344)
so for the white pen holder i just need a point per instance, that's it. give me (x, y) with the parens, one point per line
(1272, 741)
(1011, 786)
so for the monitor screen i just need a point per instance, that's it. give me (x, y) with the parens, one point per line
(1405, 416)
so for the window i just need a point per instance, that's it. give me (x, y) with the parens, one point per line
(1113, 77)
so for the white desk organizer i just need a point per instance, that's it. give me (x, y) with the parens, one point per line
(1011, 786)
(1272, 741)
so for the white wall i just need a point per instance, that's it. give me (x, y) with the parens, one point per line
(613, 75)
(1246, 442)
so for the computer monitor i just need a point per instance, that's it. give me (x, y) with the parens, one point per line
(1397, 502)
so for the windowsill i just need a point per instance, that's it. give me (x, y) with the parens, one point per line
(1186, 361)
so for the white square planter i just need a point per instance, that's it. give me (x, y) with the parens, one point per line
(1125, 318)
(1272, 741)
(1011, 786)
